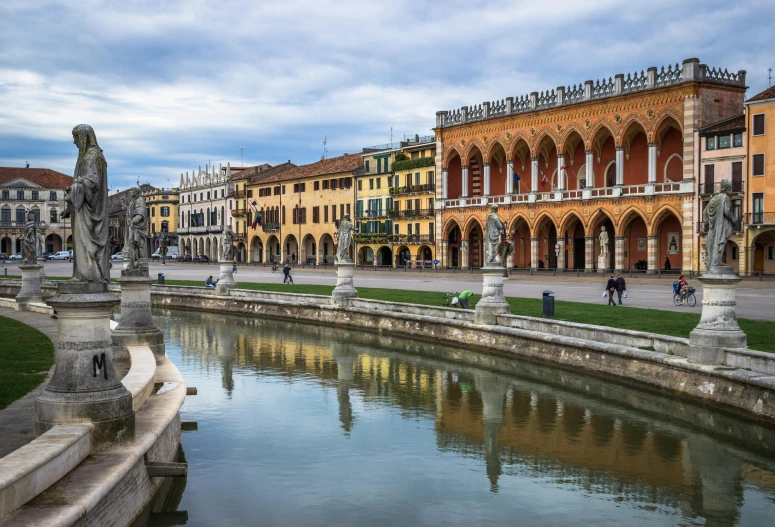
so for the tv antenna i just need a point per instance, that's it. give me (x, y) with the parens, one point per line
(325, 150)
(241, 157)
(769, 77)
(391, 136)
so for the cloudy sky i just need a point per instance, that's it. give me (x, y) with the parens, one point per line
(169, 85)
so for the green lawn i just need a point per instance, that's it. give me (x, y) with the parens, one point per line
(26, 355)
(651, 320)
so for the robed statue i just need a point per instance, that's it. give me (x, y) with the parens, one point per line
(603, 242)
(30, 239)
(41, 244)
(136, 229)
(719, 220)
(345, 238)
(227, 244)
(493, 232)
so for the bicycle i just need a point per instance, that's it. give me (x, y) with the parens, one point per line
(690, 299)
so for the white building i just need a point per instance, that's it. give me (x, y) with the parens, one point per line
(43, 191)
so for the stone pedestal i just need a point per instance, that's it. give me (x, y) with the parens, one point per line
(344, 283)
(30, 290)
(85, 387)
(226, 279)
(604, 262)
(492, 302)
(718, 327)
(42, 270)
(136, 326)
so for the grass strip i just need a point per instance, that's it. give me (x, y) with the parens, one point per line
(26, 355)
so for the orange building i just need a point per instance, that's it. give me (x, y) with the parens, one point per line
(619, 153)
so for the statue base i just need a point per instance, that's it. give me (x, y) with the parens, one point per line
(85, 387)
(492, 303)
(344, 283)
(603, 263)
(718, 328)
(136, 326)
(30, 290)
(42, 270)
(226, 279)
(73, 287)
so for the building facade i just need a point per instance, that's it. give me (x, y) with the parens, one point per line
(760, 182)
(117, 216)
(43, 191)
(203, 210)
(373, 203)
(300, 208)
(619, 153)
(163, 217)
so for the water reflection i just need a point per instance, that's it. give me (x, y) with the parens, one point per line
(598, 451)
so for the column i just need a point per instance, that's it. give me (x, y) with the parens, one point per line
(619, 243)
(534, 175)
(487, 179)
(464, 254)
(590, 166)
(444, 183)
(560, 172)
(561, 254)
(651, 258)
(534, 253)
(652, 174)
(619, 165)
(589, 254)
(510, 178)
(464, 192)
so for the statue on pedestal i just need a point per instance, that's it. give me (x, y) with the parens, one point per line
(603, 242)
(86, 203)
(493, 231)
(30, 239)
(41, 244)
(227, 244)
(719, 221)
(345, 239)
(136, 229)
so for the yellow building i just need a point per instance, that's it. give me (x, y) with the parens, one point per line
(760, 182)
(299, 208)
(373, 204)
(162, 216)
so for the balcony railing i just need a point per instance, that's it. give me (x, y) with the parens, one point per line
(239, 194)
(708, 189)
(270, 227)
(702, 227)
(412, 213)
(197, 229)
(412, 238)
(370, 214)
(238, 212)
(759, 218)
(215, 228)
(413, 189)
(182, 230)
(40, 224)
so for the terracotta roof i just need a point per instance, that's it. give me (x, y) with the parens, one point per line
(45, 177)
(335, 165)
(274, 171)
(243, 172)
(735, 124)
(769, 93)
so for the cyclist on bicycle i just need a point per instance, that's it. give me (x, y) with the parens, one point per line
(683, 287)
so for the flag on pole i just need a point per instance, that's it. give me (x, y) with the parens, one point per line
(544, 179)
(516, 176)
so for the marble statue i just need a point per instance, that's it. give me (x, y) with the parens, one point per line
(227, 244)
(493, 231)
(719, 221)
(136, 228)
(41, 244)
(30, 239)
(345, 239)
(86, 202)
(603, 242)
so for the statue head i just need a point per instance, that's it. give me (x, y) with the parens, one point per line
(134, 192)
(726, 186)
(602, 229)
(30, 215)
(84, 137)
(494, 208)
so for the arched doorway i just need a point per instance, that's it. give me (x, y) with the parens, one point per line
(53, 243)
(384, 256)
(475, 246)
(273, 249)
(572, 231)
(600, 221)
(763, 248)
(5, 246)
(520, 232)
(326, 252)
(454, 243)
(404, 256)
(454, 176)
(69, 243)
(366, 256)
(425, 256)
(290, 249)
(242, 252)
(309, 250)
(667, 227)
(636, 242)
(257, 250)
(603, 171)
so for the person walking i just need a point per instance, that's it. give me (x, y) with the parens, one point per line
(234, 266)
(621, 287)
(287, 272)
(610, 288)
(667, 264)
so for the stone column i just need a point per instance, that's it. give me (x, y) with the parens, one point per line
(619, 243)
(651, 254)
(589, 254)
(42, 273)
(561, 254)
(652, 171)
(718, 328)
(85, 387)
(493, 302)
(30, 291)
(510, 178)
(464, 192)
(136, 326)
(226, 279)
(445, 184)
(464, 254)
(487, 179)
(560, 172)
(534, 175)
(344, 283)
(590, 168)
(619, 165)
(534, 253)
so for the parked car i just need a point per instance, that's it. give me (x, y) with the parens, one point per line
(201, 258)
(3, 256)
(184, 258)
(172, 253)
(17, 256)
(47, 256)
(117, 257)
(63, 255)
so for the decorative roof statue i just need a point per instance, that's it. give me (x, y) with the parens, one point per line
(30, 239)
(493, 231)
(136, 229)
(344, 239)
(719, 222)
(87, 205)
(227, 244)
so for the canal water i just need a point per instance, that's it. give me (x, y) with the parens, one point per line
(302, 425)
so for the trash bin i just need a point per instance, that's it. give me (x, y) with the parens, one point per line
(548, 304)
(161, 278)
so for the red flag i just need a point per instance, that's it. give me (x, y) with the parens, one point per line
(543, 180)
(255, 222)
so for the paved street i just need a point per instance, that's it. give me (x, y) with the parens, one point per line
(755, 299)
